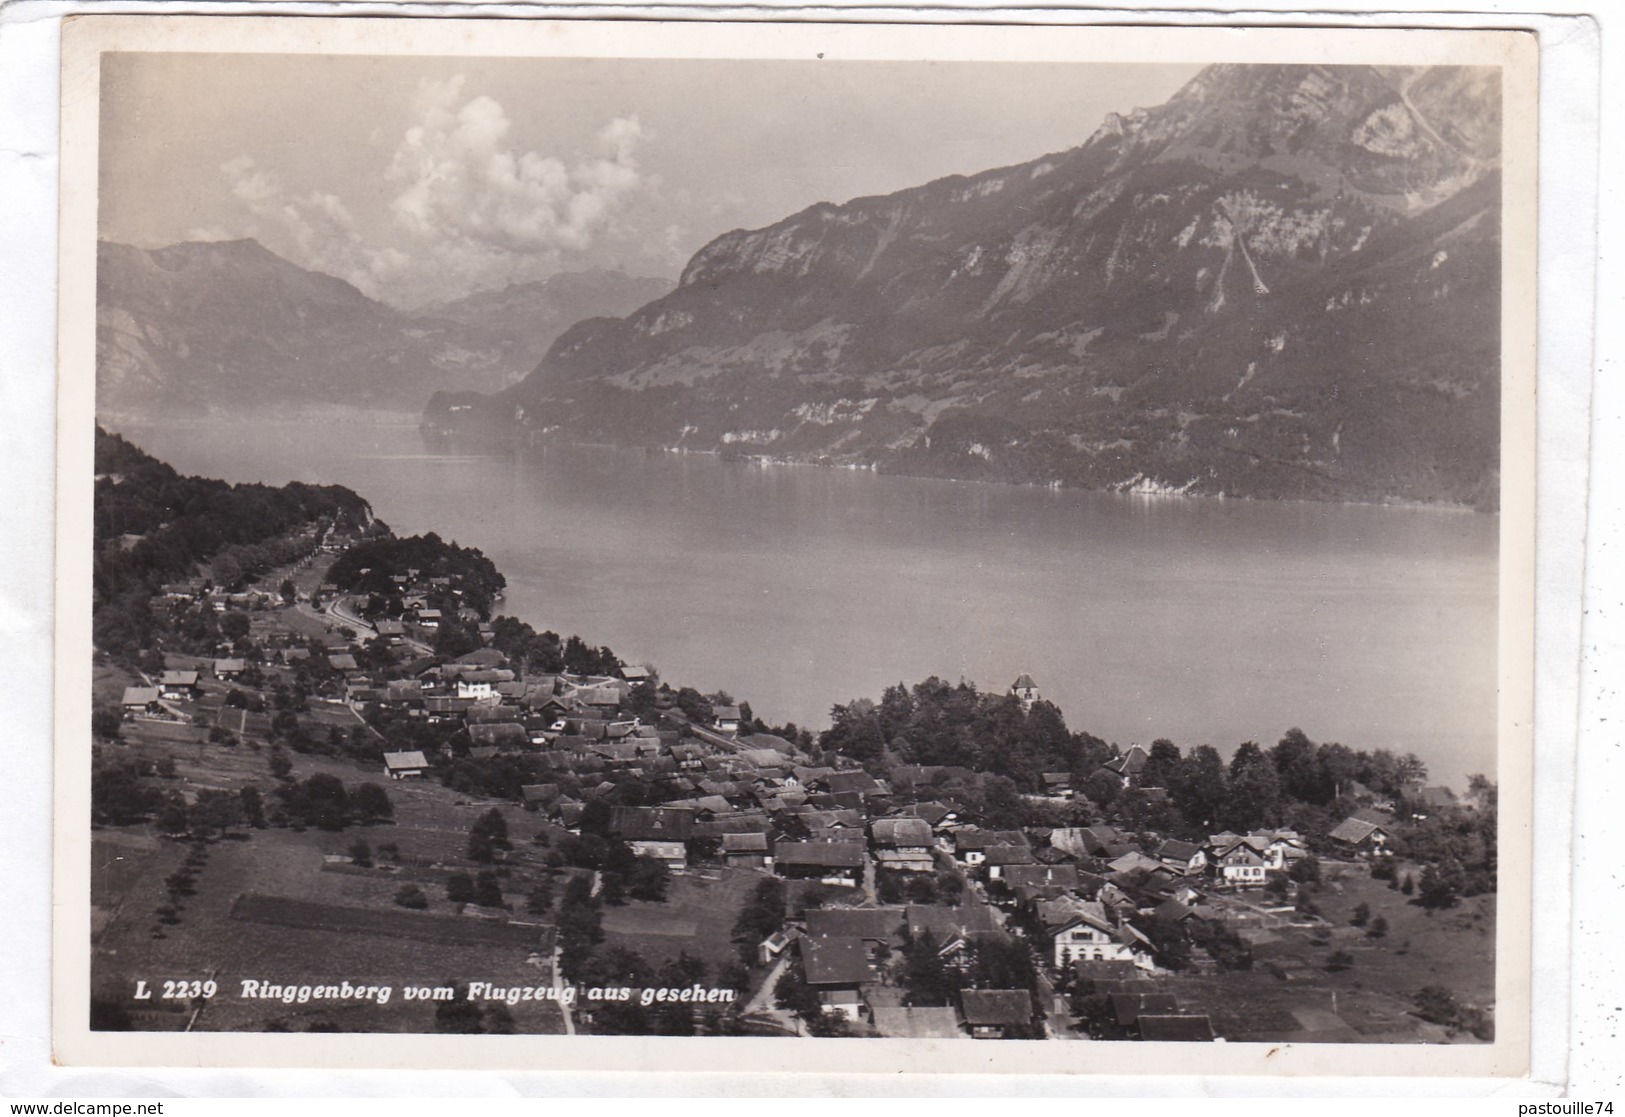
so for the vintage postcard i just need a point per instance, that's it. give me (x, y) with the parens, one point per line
(610, 545)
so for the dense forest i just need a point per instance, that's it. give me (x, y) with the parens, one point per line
(154, 525)
(989, 754)
(370, 567)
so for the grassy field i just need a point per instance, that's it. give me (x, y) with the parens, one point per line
(1370, 1002)
(697, 917)
(310, 920)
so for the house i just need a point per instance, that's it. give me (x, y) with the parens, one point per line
(499, 735)
(952, 929)
(1025, 690)
(1128, 1007)
(998, 858)
(725, 719)
(405, 765)
(1134, 862)
(830, 862)
(228, 669)
(178, 685)
(747, 851)
(1285, 847)
(1048, 879)
(659, 832)
(343, 661)
(917, 1023)
(429, 618)
(1185, 857)
(1128, 766)
(141, 700)
(1084, 841)
(837, 969)
(635, 675)
(1240, 863)
(902, 843)
(1081, 930)
(998, 1013)
(390, 632)
(770, 948)
(1057, 784)
(535, 796)
(1175, 1028)
(876, 927)
(971, 846)
(1361, 837)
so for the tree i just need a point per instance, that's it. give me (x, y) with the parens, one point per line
(361, 853)
(277, 759)
(460, 888)
(488, 890)
(234, 625)
(371, 804)
(215, 811)
(1361, 916)
(648, 879)
(289, 593)
(1378, 928)
(459, 1016)
(926, 977)
(105, 722)
(411, 896)
(1254, 791)
(326, 804)
(488, 834)
(1339, 960)
(1201, 788)
(253, 806)
(540, 899)
(1440, 886)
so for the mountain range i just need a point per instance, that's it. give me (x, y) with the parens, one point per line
(1283, 282)
(229, 327)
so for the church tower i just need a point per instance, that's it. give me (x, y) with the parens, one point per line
(1026, 690)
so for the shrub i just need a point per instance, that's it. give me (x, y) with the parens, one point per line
(411, 896)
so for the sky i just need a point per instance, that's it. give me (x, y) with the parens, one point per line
(421, 180)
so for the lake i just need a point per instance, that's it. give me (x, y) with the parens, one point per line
(796, 588)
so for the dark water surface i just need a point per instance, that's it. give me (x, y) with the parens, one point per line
(796, 587)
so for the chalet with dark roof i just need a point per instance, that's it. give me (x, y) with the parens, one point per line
(998, 1013)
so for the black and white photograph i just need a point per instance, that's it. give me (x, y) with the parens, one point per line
(766, 534)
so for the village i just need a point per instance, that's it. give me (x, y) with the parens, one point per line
(618, 829)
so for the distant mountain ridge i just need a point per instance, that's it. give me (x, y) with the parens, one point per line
(229, 326)
(1284, 282)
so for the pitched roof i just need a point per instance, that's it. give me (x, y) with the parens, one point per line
(1158, 1028)
(1128, 1006)
(652, 824)
(140, 695)
(996, 1007)
(834, 855)
(1353, 831)
(1040, 876)
(413, 759)
(916, 1023)
(751, 841)
(900, 832)
(1024, 682)
(835, 961)
(877, 924)
(1178, 850)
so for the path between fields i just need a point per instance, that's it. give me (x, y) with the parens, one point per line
(558, 994)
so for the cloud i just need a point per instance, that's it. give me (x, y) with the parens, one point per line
(465, 209)
(315, 230)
